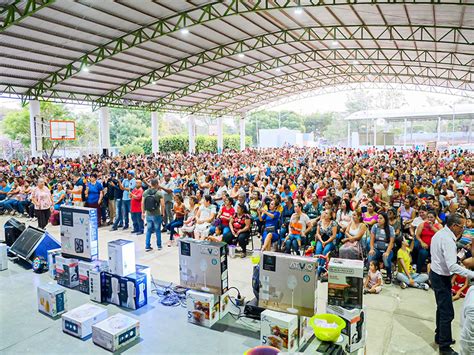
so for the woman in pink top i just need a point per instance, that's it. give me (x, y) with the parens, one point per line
(43, 201)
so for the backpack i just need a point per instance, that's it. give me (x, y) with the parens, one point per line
(151, 203)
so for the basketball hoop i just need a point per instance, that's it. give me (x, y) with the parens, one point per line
(62, 130)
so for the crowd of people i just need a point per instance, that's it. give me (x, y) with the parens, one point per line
(383, 206)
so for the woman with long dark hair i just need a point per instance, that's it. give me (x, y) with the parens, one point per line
(382, 238)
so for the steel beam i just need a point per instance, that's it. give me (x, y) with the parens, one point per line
(211, 12)
(14, 13)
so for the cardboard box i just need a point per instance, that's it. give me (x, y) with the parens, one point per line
(115, 332)
(79, 231)
(305, 332)
(279, 330)
(133, 291)
(52, 254)
(345, 282)
(3, 257)
(67, 272)
(78, 322)
(355, 330)
(121, 257)
(51, 299)
(203, 266)
(84, 269)
(97, 286)
(147, 271)
(288, 283)
(203, 308)
(225, 304)
(112, 288)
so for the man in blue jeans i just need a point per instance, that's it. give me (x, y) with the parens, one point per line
(127, 185)
(114, 183)
(153, 207)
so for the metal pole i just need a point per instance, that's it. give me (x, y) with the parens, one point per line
(279, 119)
(348, 134)
(454, 112)
(367, 133)
(405, 134)
(375, 132)
(439, 129)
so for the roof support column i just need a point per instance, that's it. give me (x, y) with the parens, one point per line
(155, 144)
(375, 133)
(220, 137)
(404, 133)
(192, 134)
(348, 134)
(242, 132)
(35, 129)
(104, 130)
(439, 129)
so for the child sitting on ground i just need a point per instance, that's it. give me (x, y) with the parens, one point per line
(373, 282)
(459, 287)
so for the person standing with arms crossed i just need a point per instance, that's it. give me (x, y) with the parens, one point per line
(443, 265)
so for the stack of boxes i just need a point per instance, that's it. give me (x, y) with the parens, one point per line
(288, 292)
(203, 269)
(345, 289)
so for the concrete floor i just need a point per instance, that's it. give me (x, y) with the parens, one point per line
(398, 321)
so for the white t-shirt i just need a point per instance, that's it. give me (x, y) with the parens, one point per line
(206, 212)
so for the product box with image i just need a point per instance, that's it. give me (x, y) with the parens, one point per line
(115, 332)
(121, 257)
(133, 292)
(97, 286)
(305, 332)
(84, 270)
(52, 255)
(67, 272)
(51, 299)
(79, 232)
(288, 283)
(279, 330)
(355, 330)
(203, 308)
(147, 271)
(78, 322)
(111, 290)
(345, 282)
(3, 257)
(203, 266)
(225, 304)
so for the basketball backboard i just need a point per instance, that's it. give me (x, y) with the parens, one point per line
(62, 130)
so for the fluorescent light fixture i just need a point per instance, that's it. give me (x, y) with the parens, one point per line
(355, 62)
(241, 55)
(154, 82)
(278, 70)
(184, 31)
(334, 43)
(85, 69)
(298, 11)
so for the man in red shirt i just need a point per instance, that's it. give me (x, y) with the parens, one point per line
(136, 208)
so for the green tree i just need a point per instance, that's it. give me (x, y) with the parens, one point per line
(126, 128)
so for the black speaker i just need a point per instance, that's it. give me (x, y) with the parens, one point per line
(34, 242)
(13, 229)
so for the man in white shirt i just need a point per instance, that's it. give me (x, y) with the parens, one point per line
(219, 195)
(443, 265)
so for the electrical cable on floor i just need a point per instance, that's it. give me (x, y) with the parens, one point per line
(169, 295)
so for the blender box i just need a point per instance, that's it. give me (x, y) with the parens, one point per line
(84, 270)
(305, 332)
(279, 330)
(203, 266)
(355, 330)
(133, 291)
(97, 286)
(52, 254)
(345, 282)
(78, 321)
(288, 283)
(147, 271)
(121, 257)
(67, 271)
(203, 308)
(3, 257)
(51, 299)
(79, 231)
(111, 290)
(115, 332)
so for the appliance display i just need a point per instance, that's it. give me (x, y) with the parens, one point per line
(305, 332)
(13, 229)
(203, 308)
(147, 271)
(355, 330)
(133, 291)
(67, 272)
(32, 243)
(112, 288)
(97, 286)
(3, 257)
(288, 283)
(51, 260)
(345, 282)
(121, 257)
(79, 231)
(78, 322)
(115, 332)
(279, 330)
(84, 269)
(51, 299)
(225, 304)
(203, 266)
